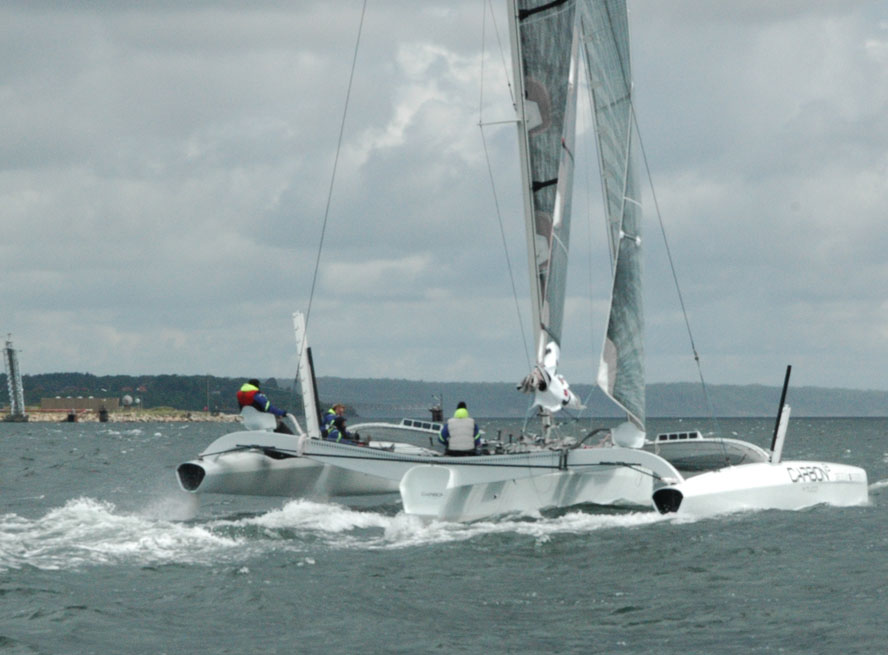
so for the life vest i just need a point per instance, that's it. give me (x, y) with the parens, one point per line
(334, 427)
(246, 394)
(329, 417)
(462, 434)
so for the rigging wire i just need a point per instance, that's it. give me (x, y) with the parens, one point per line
(351, 77)
(681, 302)
(317, 266)
(499, 216)
(502, 51)
(634, 121)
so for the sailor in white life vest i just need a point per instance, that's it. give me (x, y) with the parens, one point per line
(460, 435)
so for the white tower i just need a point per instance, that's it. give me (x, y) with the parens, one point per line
(14, 382)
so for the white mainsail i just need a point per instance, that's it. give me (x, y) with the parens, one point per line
(545, 66)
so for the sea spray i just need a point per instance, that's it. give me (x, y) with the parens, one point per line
(172, 505)
(88, 532)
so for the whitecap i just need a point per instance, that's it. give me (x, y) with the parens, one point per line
(411, 531)
(86, 532)
(342, 527)
(323, 517)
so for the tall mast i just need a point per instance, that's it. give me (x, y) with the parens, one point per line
(526, 191)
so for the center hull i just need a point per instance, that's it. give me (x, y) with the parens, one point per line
(436, 492)
(470, 488)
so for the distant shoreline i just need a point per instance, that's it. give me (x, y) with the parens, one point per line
(385, 398)
(134, 416)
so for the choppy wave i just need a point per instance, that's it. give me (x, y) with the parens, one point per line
(348, 528)
(877, 485)
(88, 532)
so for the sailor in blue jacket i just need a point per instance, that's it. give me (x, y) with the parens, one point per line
(334, 426)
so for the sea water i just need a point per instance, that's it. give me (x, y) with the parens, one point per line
(100, 552)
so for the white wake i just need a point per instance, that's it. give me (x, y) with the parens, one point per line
(88, 532)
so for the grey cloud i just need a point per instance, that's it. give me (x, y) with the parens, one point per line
(164, 171)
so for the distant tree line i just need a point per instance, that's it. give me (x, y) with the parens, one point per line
(389, 398)
(187, 392)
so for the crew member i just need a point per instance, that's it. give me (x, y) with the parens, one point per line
(250, 396)
(334, 426)
(460, 435)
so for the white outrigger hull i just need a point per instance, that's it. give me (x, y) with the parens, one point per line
(790, 485)
(775, 484)
(261, 463)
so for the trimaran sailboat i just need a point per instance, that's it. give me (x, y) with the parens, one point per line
(547, 38)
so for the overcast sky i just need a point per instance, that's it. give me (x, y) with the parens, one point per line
(165, 167)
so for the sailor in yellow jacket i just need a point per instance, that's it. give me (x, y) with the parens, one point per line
(460, 435)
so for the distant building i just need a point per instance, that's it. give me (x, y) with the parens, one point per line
(94, 404)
